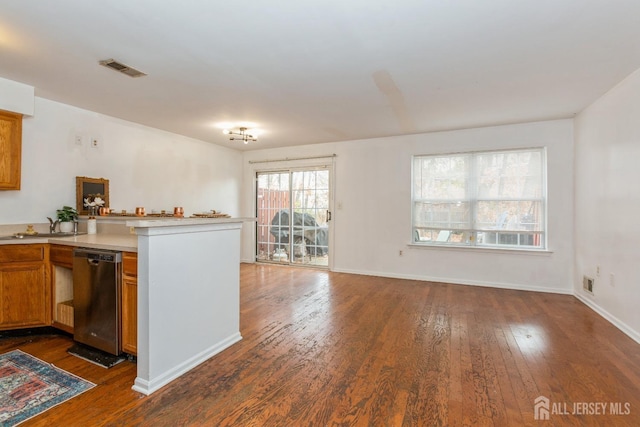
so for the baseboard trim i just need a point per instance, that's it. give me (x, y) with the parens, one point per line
(512, 286)
(626, 329)
(149, 386)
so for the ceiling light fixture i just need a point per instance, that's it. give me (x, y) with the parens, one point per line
(242, 135)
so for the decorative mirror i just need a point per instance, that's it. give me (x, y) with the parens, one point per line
(90, 188)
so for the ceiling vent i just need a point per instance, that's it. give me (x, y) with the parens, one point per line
(120, 67)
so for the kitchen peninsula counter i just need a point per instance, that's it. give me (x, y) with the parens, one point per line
(188, 294)
(172, 222)
(188, 288)
(119, 241)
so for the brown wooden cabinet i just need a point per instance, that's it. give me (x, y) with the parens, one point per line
(36, 289)
(61, 255)
(129, 296)
(61, 258)
(25, 296)
(11, 149)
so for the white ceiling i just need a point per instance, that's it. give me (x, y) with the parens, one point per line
(311, 71)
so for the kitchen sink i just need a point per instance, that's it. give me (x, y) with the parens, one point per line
(39, 235)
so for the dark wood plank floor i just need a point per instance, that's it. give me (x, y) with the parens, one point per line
(324, 348)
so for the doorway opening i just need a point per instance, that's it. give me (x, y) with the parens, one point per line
(292, 208)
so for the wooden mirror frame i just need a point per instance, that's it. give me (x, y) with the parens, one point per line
(86, 186)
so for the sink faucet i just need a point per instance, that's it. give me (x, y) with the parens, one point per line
(52, 225)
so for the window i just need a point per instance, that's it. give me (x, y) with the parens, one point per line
(490, 199)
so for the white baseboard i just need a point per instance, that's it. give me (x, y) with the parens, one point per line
(634, 335)
(514, 286)
(148, 387)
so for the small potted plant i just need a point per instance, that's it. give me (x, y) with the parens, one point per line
(67, 215)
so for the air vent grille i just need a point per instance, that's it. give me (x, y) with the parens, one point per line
(122, 68)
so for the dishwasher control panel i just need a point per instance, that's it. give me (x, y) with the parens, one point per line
(102, 257)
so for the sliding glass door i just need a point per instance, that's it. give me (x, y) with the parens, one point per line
(292, 207)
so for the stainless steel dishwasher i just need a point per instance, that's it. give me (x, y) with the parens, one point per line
(96, 288)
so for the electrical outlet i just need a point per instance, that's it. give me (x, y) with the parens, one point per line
(597, 271)
(400, 252)
(94, 142)
(612, 280)
(132, 230)
(78, 140)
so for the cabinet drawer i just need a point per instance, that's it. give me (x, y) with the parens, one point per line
(21, 253)
(59, 254)
(130, 264)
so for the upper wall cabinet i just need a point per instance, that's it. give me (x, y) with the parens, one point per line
(10, 150)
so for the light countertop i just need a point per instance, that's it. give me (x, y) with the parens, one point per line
(114, 242)
(119, 241)
(172, 222)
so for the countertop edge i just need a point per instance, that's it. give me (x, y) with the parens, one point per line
(115, 242)
(179, 222)
(108, 245)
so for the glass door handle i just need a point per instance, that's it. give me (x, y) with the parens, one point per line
(328, 216)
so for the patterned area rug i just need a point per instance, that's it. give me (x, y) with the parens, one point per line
(29, 386)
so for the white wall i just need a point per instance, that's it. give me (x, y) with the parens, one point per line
(16, 97)
(145, 166)
(607, 203)
(372, 210)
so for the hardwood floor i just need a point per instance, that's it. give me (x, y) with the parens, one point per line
(325, 348)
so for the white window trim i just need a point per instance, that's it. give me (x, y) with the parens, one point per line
(489, 249)
(543, 249)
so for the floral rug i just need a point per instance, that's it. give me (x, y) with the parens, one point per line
(29, 386)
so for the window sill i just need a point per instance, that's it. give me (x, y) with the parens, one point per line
(535, 252)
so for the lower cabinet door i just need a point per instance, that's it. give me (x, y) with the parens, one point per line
(130, 315)
(24, 296)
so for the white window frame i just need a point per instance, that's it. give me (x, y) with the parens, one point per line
(471, 234)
